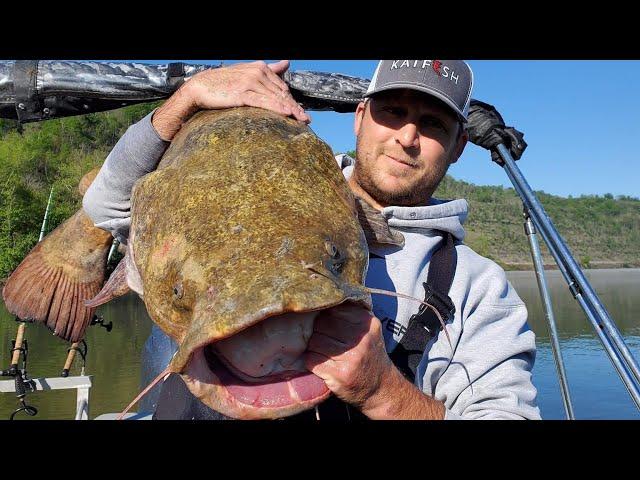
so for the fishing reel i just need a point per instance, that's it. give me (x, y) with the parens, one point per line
(99, 320)
(23, 385)
(82, 348)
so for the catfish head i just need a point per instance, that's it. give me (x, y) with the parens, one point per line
(245, 232)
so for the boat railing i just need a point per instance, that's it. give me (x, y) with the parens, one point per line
(82, 383)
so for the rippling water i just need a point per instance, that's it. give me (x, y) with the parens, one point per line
(595, 387)
(114, 357)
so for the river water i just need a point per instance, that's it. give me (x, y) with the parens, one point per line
(113, 358)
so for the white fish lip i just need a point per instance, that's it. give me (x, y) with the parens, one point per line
(213, 356)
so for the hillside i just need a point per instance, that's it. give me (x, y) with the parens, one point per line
(600, 231)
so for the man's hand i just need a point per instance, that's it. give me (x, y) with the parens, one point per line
(347, 351)
(247, 84)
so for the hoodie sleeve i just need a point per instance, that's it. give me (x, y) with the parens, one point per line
(108, 199)
(489, 375)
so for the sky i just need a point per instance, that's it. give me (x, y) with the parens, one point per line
(578, 118)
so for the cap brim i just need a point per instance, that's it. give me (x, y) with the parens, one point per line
(435, 93)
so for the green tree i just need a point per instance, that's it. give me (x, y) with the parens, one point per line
(54, 153)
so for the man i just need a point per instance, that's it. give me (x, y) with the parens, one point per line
(409, 130)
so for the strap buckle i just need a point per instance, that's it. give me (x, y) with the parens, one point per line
(442, 303)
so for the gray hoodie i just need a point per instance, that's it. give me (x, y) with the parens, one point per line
(487, 374)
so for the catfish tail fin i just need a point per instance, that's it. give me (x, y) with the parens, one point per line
(62, 271)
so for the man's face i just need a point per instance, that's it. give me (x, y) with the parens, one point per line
(406, 141)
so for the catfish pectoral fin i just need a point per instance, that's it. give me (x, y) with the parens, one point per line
(62, 271)
(375, 226)
(115, 287)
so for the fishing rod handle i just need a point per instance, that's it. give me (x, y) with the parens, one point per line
(15, 358)
(70, 356)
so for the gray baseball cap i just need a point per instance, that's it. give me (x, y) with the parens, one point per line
(448, 80)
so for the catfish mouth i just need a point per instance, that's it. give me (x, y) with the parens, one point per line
(255, 393)
(285, 389)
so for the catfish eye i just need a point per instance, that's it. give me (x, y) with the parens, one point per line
(332, 250)
(336, 260)
(177, 290)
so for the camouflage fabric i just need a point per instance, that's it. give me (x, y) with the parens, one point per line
(35, 90)
(326, 91)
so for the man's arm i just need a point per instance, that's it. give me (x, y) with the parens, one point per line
(108, 200)
(490, 373)
(245, 84)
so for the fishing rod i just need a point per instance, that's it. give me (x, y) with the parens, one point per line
(21, 328)
(46, 216)
(80, 347)
(20, 347)
(23, 384)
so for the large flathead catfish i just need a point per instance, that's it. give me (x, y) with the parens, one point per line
(245, 231)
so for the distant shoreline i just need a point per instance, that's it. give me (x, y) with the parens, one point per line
(510, 267)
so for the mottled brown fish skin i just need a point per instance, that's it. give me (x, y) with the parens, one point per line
(243, 201)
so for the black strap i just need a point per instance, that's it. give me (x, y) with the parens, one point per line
(443, 266)
(425, 324)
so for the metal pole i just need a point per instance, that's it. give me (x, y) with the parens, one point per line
(592, 306)
(609, 347)
(579, 281)
(548, 312)
(114, 245)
